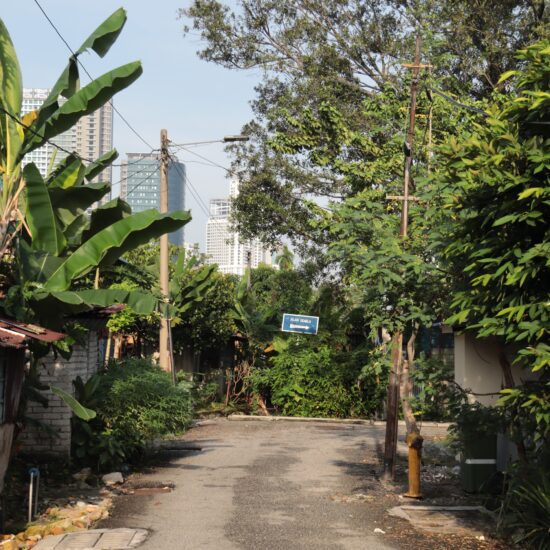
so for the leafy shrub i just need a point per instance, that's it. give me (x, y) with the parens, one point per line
(525, 511)
(135, 402)
(312, 382)
(436, 394)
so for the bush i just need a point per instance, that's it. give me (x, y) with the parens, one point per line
(437, 395)
(135, 402)
(525, 511)
(314, 382)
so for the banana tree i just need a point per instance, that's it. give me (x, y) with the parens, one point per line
(52, 242)
(256, 331)
(189, 284)
(21, 134)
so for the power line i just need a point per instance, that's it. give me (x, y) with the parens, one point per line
(455, 102)
(53, 144)
(192, 189)
(211, 162)
(90, 76)
(197, 196)
(141, 182)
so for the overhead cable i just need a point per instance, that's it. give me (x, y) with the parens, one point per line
(90, 76)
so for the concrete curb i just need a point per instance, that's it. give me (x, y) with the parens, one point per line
(356, 421)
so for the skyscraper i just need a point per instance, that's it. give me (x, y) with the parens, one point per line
(224, 246)
(90, 137)
(140, 186)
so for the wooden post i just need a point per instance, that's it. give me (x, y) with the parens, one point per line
(164, 338)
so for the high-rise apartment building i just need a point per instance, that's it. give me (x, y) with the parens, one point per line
(224, 246)
(42, 157)
(90, 138)
(94, 137)
(140, 186)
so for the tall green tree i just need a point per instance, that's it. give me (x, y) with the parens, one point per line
(500, 239)
(341, 54)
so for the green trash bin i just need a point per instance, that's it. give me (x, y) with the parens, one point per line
(478, 464)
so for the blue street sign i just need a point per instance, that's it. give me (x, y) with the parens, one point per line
(304, 324)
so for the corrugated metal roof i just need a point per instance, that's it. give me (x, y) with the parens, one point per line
(14, 334)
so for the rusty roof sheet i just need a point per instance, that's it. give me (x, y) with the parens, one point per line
(14, 334)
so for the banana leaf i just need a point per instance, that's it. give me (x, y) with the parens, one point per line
(45, 232)
(110, 243)
(78, 409)
(105, 35)
(105, 215)
(36, 265)
(10, 99)
(68, 173)
(68, 83)
(83, 102)
(94, 168)
(72, 302)
(75, 230)
(70, 203)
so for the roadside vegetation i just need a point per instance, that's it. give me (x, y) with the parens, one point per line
(323, 173)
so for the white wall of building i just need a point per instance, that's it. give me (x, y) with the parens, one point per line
(224, 246)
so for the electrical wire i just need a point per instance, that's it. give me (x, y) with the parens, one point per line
(90, 76)
(141, 182)
(211, 162)
(197, 196)
(455, 102)
(192, 189)
(199, 199)
(53, 144)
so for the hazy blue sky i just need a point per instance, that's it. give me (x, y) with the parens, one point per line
(192, 99)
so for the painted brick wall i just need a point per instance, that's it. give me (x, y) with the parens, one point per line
(59, 372)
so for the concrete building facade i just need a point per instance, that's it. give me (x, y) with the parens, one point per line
(224, 246)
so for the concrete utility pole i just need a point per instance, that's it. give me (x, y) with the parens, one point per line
(165, 358)
(166, 354)
(392, 412)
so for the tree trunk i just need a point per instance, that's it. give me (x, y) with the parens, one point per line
(392, 406)
(414, 439)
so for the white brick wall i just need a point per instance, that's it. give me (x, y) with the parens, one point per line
(84, 362)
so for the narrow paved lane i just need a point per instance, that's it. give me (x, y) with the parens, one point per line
(265, 485)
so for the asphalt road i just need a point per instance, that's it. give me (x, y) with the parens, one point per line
(269, 485)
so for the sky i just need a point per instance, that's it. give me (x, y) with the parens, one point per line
(194, 100)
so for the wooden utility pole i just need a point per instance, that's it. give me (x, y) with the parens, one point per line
(392, 402)
(164, 336)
